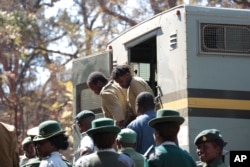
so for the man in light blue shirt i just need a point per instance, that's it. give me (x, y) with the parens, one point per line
(145, 108)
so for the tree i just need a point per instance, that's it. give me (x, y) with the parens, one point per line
(244, 4)
(25, 101)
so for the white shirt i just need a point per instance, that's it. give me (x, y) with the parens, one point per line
(86, 142)
(23, 159)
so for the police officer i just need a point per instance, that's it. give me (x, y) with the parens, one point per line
(126, 141)
(104, 133)
(167, 153)
(35, 161)
(28, 149)
(49, 141)
(210, 145)
(86, 146)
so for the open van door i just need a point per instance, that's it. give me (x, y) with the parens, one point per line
(83, 97)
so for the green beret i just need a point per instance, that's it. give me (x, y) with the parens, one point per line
(27, 140)
(127, 135)
(84, 114)
(209, 135)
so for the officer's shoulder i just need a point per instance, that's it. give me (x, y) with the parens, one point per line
(153, 152)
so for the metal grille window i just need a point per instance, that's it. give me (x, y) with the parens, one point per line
(142, 70)
(225, 38)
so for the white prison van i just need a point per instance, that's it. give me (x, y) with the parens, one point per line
(197, 61)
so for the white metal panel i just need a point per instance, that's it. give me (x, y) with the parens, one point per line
(223, 71)
(171, 61)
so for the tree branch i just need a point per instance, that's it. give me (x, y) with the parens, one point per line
(124, 18)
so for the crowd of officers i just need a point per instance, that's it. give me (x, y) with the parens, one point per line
(132, 133)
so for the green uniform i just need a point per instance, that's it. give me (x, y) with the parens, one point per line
(214, 136)
(215, 163)
(137, 157)
(170, 156)
(105, 159)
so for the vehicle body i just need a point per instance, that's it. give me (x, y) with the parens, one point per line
(196, 59)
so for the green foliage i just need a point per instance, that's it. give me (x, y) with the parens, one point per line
(17, 27)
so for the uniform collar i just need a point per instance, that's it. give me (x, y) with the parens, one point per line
(215, 162)
(127, 148)
(108, 149)
(168, 143)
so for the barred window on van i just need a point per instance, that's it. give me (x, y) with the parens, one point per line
(225, 38)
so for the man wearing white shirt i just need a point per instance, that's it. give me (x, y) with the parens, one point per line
(86, 146)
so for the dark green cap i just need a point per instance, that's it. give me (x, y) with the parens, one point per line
(209, 135)
(127, 135)
(48, 129)
(166, 115)
(84, 114)
(103, 125)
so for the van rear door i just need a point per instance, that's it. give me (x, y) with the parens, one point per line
(84, 98)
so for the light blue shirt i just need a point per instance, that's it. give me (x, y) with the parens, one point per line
(54, 160)
(144, 132)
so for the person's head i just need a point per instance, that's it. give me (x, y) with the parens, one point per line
(144, 102)
(166, 124)
(84, 119)
(51, 138)
(28, 147)
(122, 75)
(103, 132)
(209, 144)
(96, 81)
(126, 138)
